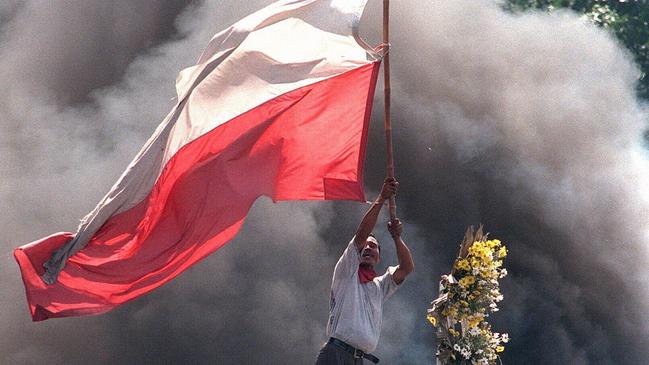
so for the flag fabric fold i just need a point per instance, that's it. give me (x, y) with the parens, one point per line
(277, 105)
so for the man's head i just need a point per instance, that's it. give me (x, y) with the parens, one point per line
(371, 252)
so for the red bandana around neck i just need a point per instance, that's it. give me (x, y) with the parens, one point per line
(366, 274)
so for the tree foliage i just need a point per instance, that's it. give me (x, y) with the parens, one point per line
(627, 19)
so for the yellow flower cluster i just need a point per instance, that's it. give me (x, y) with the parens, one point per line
(475, 321)
(463, 264)
(432, 319)
(485, 250)
(502, 252)
(484, 260)
(466, 281)
(472, 291)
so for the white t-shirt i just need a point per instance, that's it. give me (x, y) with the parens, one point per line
(355, 312)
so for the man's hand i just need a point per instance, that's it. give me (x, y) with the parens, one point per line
(395, 227)
(389, 189)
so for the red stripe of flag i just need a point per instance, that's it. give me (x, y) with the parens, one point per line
(307, 144)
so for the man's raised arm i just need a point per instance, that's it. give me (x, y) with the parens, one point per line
(406, 265)
(389, 189)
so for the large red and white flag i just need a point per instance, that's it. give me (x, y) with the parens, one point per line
(277, 105)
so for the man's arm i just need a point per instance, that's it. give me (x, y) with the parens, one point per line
(406, 265)
(369, 219)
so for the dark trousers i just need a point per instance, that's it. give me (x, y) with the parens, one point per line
(334, 355)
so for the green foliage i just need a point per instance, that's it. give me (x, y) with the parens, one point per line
(627, 19)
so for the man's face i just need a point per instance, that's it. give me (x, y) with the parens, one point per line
(370, 254)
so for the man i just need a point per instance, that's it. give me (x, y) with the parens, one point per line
(358, 294)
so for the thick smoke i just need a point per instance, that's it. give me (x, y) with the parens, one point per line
(525, 123)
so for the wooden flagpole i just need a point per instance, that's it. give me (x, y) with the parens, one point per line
(387, 121)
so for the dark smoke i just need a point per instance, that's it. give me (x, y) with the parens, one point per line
(526, 123)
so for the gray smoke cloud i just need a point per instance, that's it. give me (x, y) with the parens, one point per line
(526, 123)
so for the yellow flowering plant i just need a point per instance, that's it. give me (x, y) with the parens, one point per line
(467, 295)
